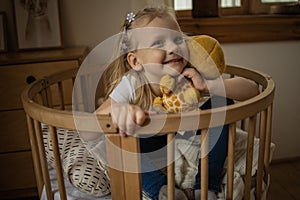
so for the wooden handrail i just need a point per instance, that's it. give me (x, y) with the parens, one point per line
(91, 122)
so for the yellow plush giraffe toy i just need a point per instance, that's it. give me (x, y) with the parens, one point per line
(206, 55)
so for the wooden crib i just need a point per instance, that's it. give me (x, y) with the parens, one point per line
(48, 100)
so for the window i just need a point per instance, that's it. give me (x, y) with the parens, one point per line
(230, 3)
(183, 4)
(241, 20)
(242, 7)
(187, 4)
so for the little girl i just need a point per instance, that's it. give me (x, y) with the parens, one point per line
(152, 45)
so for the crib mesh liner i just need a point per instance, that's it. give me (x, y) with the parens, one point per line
(72, 192)
(81, 169)
(238, 183)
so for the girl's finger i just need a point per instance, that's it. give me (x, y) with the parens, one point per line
(140, 117)
(150, 112)
(187, 73)
(130, 124)
(180, 77)
(122, 133)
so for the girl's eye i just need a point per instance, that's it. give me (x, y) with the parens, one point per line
(158, 43)
(178, 40)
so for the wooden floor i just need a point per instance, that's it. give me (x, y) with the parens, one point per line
(285, 181)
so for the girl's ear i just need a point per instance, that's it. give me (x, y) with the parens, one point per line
(133, 61)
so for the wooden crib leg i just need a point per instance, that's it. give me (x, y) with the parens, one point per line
(230, 158)
(249, 159)
(204, 164)
(131, 164)
(171, 166)
(124, 167)
(114, 158)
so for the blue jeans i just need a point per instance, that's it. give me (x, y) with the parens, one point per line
(153, 179)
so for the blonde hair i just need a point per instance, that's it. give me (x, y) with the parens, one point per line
(113, 74)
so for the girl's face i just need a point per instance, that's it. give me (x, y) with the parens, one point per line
(161, 49)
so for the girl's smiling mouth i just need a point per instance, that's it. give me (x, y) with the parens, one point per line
(174, 61)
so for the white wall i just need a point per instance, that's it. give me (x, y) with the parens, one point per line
(92, 21)
(281, 61)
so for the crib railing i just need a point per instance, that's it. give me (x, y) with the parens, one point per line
(46, 101)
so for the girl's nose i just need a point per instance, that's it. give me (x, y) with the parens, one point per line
(172, 48)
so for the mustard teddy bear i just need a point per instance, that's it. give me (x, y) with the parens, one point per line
(206, 55)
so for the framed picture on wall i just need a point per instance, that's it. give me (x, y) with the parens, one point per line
(37, 24)
(3, 39)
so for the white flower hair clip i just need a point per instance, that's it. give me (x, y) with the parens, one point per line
(124, 47)
(130, 17)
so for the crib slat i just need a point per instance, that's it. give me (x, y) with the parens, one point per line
(44, 98)
(85, 93)
(61, 96)
(57, 161)
(204, 164)
(260, 169)
(250, 142)
(49, 97)
(43, 160)
(131, 167)
(171, 166)
(243, 124)
(75, 94)
(268, 136)
(230, 158)
(268, 144)
(35, 155)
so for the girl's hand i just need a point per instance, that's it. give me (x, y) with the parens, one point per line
(198, 81)
(237, 88)
(127, 117)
